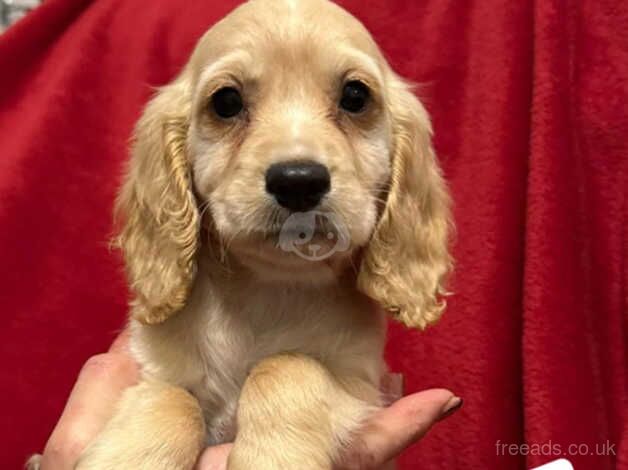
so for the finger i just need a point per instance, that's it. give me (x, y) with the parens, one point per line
(393, 429)
(102, 380)
(214, 458)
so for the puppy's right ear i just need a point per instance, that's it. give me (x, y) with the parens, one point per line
(160, 220)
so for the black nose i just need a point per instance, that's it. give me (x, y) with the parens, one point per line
(298, 186)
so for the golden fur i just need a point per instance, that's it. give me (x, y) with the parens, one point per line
(282, 354)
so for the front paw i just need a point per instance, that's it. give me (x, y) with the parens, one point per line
(130, 453)
(156, 427)
(244, 457)
(173, 447)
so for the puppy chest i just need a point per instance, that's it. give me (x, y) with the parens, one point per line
(210, 347)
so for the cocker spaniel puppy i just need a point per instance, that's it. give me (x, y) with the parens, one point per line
(279, 188)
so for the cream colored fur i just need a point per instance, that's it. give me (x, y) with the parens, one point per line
(280, 354)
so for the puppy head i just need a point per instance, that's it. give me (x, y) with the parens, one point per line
(287, 123)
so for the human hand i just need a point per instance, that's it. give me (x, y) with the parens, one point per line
(386, 435)
(104, 377)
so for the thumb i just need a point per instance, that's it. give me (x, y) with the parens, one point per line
(214, 458)
(389, 431)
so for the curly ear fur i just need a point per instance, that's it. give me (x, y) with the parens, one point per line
(407, 259)
(159, 238)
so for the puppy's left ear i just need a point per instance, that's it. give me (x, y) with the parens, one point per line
(406, 262)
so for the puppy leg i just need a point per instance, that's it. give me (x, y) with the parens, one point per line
(293, 413)
(156, 426)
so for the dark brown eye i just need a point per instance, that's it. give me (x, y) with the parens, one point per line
(355, 95)
(227, 102)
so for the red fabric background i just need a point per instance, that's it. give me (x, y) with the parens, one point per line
(529, 105)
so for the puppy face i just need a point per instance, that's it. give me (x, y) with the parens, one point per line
(291, 141)
(290, 116)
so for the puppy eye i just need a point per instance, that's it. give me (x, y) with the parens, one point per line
(355, 95)
(227, 102)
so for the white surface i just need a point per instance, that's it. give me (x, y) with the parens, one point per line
(561, 464)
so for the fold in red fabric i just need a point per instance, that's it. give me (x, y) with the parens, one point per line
(529, 106)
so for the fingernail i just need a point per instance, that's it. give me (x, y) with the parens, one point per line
(453, 405)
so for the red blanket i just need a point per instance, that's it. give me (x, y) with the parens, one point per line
(529, 103)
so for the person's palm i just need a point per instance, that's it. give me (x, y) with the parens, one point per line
(104, 377)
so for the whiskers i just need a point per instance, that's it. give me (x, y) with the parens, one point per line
(213, 238)
(274, 222)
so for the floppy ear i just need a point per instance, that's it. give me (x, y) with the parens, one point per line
(407, 259)
(159, 238)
